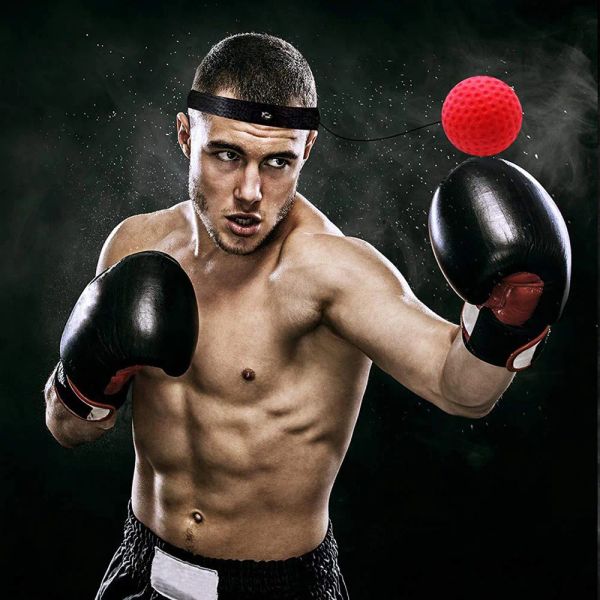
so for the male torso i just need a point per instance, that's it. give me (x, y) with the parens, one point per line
(237, 458)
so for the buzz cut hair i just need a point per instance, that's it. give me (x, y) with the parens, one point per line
(257, 67)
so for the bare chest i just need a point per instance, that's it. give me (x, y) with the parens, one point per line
(245, 346)
(252, 338)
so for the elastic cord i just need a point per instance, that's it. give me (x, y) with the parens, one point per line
(376, 139)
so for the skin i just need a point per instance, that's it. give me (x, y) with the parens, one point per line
(237, 458)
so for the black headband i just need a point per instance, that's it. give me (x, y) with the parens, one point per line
(288, 117)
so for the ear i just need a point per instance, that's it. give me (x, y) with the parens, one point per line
(184, 133)
(310, 140)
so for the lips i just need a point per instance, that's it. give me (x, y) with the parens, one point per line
(243, 224)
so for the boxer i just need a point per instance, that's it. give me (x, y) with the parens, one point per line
(243, 325)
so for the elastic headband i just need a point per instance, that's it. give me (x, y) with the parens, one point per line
(288, 117)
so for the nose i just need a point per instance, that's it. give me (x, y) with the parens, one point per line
(248, 188)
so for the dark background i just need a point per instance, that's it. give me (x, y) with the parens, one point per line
(425, 504)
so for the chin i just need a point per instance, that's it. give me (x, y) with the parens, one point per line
(238, 250)
(228, 244)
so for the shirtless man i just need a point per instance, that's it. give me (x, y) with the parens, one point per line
(237, 456)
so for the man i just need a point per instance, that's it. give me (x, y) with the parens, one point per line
(237, 454)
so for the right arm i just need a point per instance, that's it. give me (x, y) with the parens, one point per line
(66, 428)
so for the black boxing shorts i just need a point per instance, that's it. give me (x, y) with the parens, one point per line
(145, 567)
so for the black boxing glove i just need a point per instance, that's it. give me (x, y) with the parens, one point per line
(503, 246)
(142, 311)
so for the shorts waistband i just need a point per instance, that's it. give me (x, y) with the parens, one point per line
(316, 569)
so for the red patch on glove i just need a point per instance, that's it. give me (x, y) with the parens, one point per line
(515, 298)
(120, 378)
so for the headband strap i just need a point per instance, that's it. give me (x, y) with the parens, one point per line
(288, 117)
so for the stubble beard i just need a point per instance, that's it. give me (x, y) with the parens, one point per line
(200, 204)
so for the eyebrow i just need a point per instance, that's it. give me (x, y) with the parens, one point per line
(214, 144)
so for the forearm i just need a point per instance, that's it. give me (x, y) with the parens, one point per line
(66, 428)
(471, 387)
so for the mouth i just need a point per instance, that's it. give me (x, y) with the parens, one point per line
(243, 224)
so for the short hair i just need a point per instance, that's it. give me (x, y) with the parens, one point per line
(259, 68)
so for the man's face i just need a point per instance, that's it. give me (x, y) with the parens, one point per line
(243, 178)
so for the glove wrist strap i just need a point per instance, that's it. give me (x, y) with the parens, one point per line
(78, 404)
(512, 347)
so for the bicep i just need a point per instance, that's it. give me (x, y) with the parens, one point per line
(374, 308)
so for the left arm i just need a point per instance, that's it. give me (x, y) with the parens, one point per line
(370, 304)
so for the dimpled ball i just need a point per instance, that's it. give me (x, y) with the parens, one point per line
(482, 116)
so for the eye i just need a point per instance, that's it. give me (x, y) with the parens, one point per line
(226, 155)
(277, 163)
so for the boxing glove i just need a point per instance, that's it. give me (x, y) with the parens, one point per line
(503, 246)
(142, 311)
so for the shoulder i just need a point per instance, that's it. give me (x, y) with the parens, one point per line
(331, 263)
(340, 255)
(144, 231)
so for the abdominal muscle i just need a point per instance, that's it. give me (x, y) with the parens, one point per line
(236, 480)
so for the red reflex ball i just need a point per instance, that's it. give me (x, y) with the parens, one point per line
(482, 116)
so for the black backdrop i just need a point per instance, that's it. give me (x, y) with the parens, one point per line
(425, 504)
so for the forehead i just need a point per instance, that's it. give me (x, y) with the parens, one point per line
(255, 140)
(213, 128)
